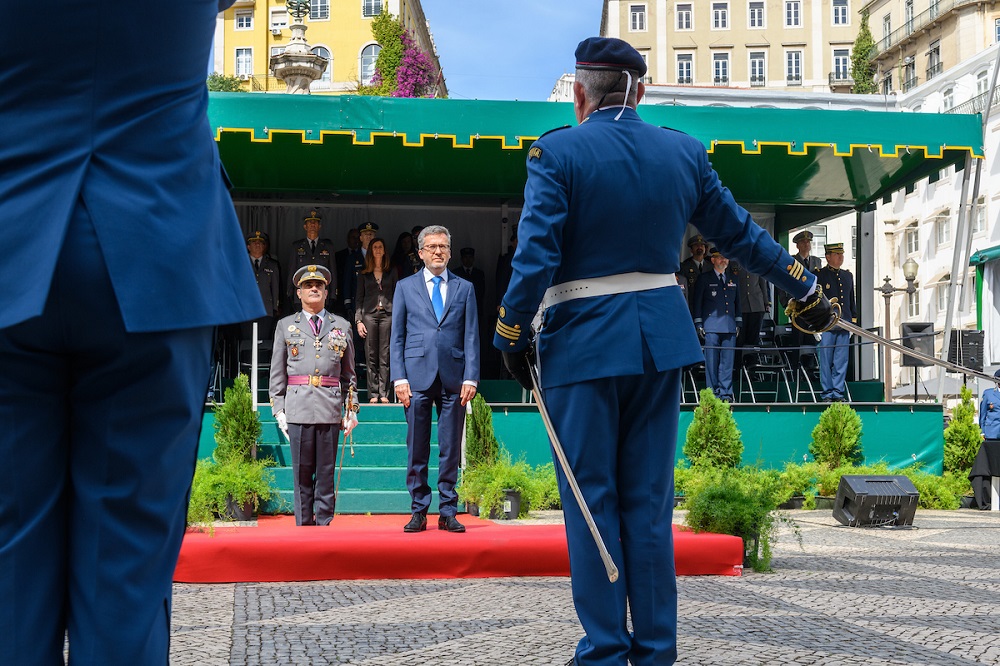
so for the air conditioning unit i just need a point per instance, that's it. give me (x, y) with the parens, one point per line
(275, 31)
(244, 77)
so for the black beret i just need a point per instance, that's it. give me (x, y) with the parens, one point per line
(610, 54)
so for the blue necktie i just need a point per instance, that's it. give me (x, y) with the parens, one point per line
(436, 299)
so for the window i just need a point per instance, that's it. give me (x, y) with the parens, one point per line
(948, 99)
(934, 66)
(720, 15)
(942, 230)
(685, 63)
(913, 304)
(982, 85)
(244, 63)
(637, 18)
(908, 16)
(933, 9)
(996, 30)
(793, 68)
(909, 74)
(758, 68)
(912, 240)
(854, 240)
(319, 10)
(757, 14)
(368, 56)
(244, 19)
(277, 50)
(841, 64)
(979, 222)
(324, 80)
(793, 13)
(279, 18)
(886, 30)
(840, 12)
(684, 19)
(371, 7)
(887, 83)
(941, 291)
(720, 68)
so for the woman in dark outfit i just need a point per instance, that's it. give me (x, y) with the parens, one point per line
(373, 316)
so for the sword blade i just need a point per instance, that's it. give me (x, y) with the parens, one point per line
(609, 564)
(878, 339)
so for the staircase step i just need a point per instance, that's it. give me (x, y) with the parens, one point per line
(365, 455)
(361, 478)
(355, 501)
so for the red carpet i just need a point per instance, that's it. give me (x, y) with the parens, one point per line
(375, 547)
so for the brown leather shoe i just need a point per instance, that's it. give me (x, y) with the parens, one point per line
(450, 524)
(418, 523)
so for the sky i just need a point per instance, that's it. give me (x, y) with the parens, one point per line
(509, 49)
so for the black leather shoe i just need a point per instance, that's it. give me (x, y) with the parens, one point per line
(418, 523)
(450, 524)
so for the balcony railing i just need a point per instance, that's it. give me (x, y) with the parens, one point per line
(910, 83)
(977, 104)
(758, 81)
(722, 80)
(793, 80)
(683, 80)
(841, 78)
(919, 22)
(264, 83)
(934, 70)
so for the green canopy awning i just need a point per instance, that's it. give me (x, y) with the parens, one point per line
(985, 256)
(326, 145)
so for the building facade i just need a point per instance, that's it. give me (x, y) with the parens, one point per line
(916, 41)
(773, 44)
(251, 31)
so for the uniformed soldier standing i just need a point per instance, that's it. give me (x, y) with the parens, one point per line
(312, 370)
(308, 251)
(616, 332)
(697, 263)
(804, 258)
(715, 306)
(268, 275)
(989, 411)
(835, 347)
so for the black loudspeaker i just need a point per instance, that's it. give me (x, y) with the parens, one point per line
(918, 336)
(966, 349)
(875, 501)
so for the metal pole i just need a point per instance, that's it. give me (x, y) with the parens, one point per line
(254, 374)
(887, 355)
(956, 257)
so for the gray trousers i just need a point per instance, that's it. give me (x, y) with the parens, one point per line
(314, 468)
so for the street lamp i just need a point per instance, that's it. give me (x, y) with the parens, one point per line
(910, 273)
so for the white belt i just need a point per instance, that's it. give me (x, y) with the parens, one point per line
(606, 285)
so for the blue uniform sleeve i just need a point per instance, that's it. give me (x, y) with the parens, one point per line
(539, 242)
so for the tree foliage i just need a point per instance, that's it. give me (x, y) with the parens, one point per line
(836, 439)
(862, 70)
(402, 69)
(713, 440)
(237, 424)
(962, 437)
(481, 446)
(222, 83)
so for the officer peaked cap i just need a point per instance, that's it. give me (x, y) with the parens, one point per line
(803, 236)
(311, 272)
(313, 215)
(832, 248)
(714, 252)
(368, 226)
(697, 239)
(997, 374)
(608, 53)
(258, 235)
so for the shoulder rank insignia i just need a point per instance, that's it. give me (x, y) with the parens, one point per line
(535, 153)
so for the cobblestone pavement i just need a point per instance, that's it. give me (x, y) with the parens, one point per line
(927, 596)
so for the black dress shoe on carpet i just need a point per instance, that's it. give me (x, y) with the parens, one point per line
(418, 523)
(450, 524)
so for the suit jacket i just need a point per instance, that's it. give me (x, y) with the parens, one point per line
(268, 278)
(838, 283)
(422, 348)
(297, 351)
(369, 296)
(754, 295)
(658, 179)
(691, 270)
(300, 256)
(716, 305)
(94, 129)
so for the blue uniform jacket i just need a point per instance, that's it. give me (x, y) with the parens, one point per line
(421, 348)
(838, 284)
(654, 181)
(74, 126)
(716, 306)
(989, 414)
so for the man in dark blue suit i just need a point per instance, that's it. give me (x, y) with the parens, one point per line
(434, 361)
(106, 321)
(616, 331)
(717, 318)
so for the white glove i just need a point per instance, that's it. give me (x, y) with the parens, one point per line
(350, 421)
(282, 423)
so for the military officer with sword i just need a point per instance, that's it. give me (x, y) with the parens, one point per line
(312, 376)
(615, 334)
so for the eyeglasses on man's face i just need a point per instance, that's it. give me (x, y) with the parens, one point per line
(437, 248)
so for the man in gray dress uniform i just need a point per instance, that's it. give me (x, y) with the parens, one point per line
(312, 370)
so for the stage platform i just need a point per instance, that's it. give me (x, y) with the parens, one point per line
(358, 547)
